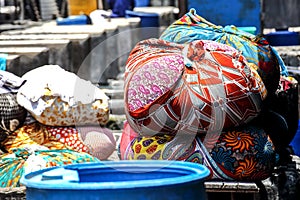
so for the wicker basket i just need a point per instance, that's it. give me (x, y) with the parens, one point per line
(16, 193)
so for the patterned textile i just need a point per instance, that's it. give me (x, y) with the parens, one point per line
(76, 102)
(22, 161)
(244, 153)
(68, 136)
(191, 88)
(53, 138)
(127, 136)
(256, 49)
(97, 141)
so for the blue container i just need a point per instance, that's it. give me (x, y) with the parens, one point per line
(111, 180)
(73, 20)
(295, 143)
(147, 19)
(283, 38)
(141, 3)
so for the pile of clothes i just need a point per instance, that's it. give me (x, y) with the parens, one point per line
(50, 117)
(209, 94)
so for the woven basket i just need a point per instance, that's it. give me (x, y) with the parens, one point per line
(12, 115)
(16, 193)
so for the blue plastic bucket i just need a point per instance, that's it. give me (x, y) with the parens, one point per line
(111, 180)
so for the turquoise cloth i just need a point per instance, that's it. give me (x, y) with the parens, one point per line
(3, 58)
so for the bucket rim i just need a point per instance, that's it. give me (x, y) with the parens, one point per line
(197, 172)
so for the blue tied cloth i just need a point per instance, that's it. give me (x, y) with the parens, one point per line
(254, 48)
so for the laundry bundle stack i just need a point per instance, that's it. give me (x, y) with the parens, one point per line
(57, 119)
(209, 94)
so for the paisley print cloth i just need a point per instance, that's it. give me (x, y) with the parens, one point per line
(256, 49)
(190, 88)
(244, 153)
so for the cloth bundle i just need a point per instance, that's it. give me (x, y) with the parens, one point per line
(194, 102)
(195, 88)
(48, 146)
(255, 49)
(245, 153)
(201, 93)
(57, 97)
(62, 122)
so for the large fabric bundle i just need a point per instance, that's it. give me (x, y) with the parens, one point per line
(189, 88)
(244, 153)
(57, 97)
(255, 49)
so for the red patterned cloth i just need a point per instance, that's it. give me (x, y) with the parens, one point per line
(68, 136)
(200, 87)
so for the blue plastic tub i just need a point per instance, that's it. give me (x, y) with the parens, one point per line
(283, 38)
(126, 180)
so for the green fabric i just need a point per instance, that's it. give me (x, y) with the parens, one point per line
(13, 166)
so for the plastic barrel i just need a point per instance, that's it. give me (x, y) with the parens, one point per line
(147, 19)
(141, 3)
(126, 180)
(149, 23)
